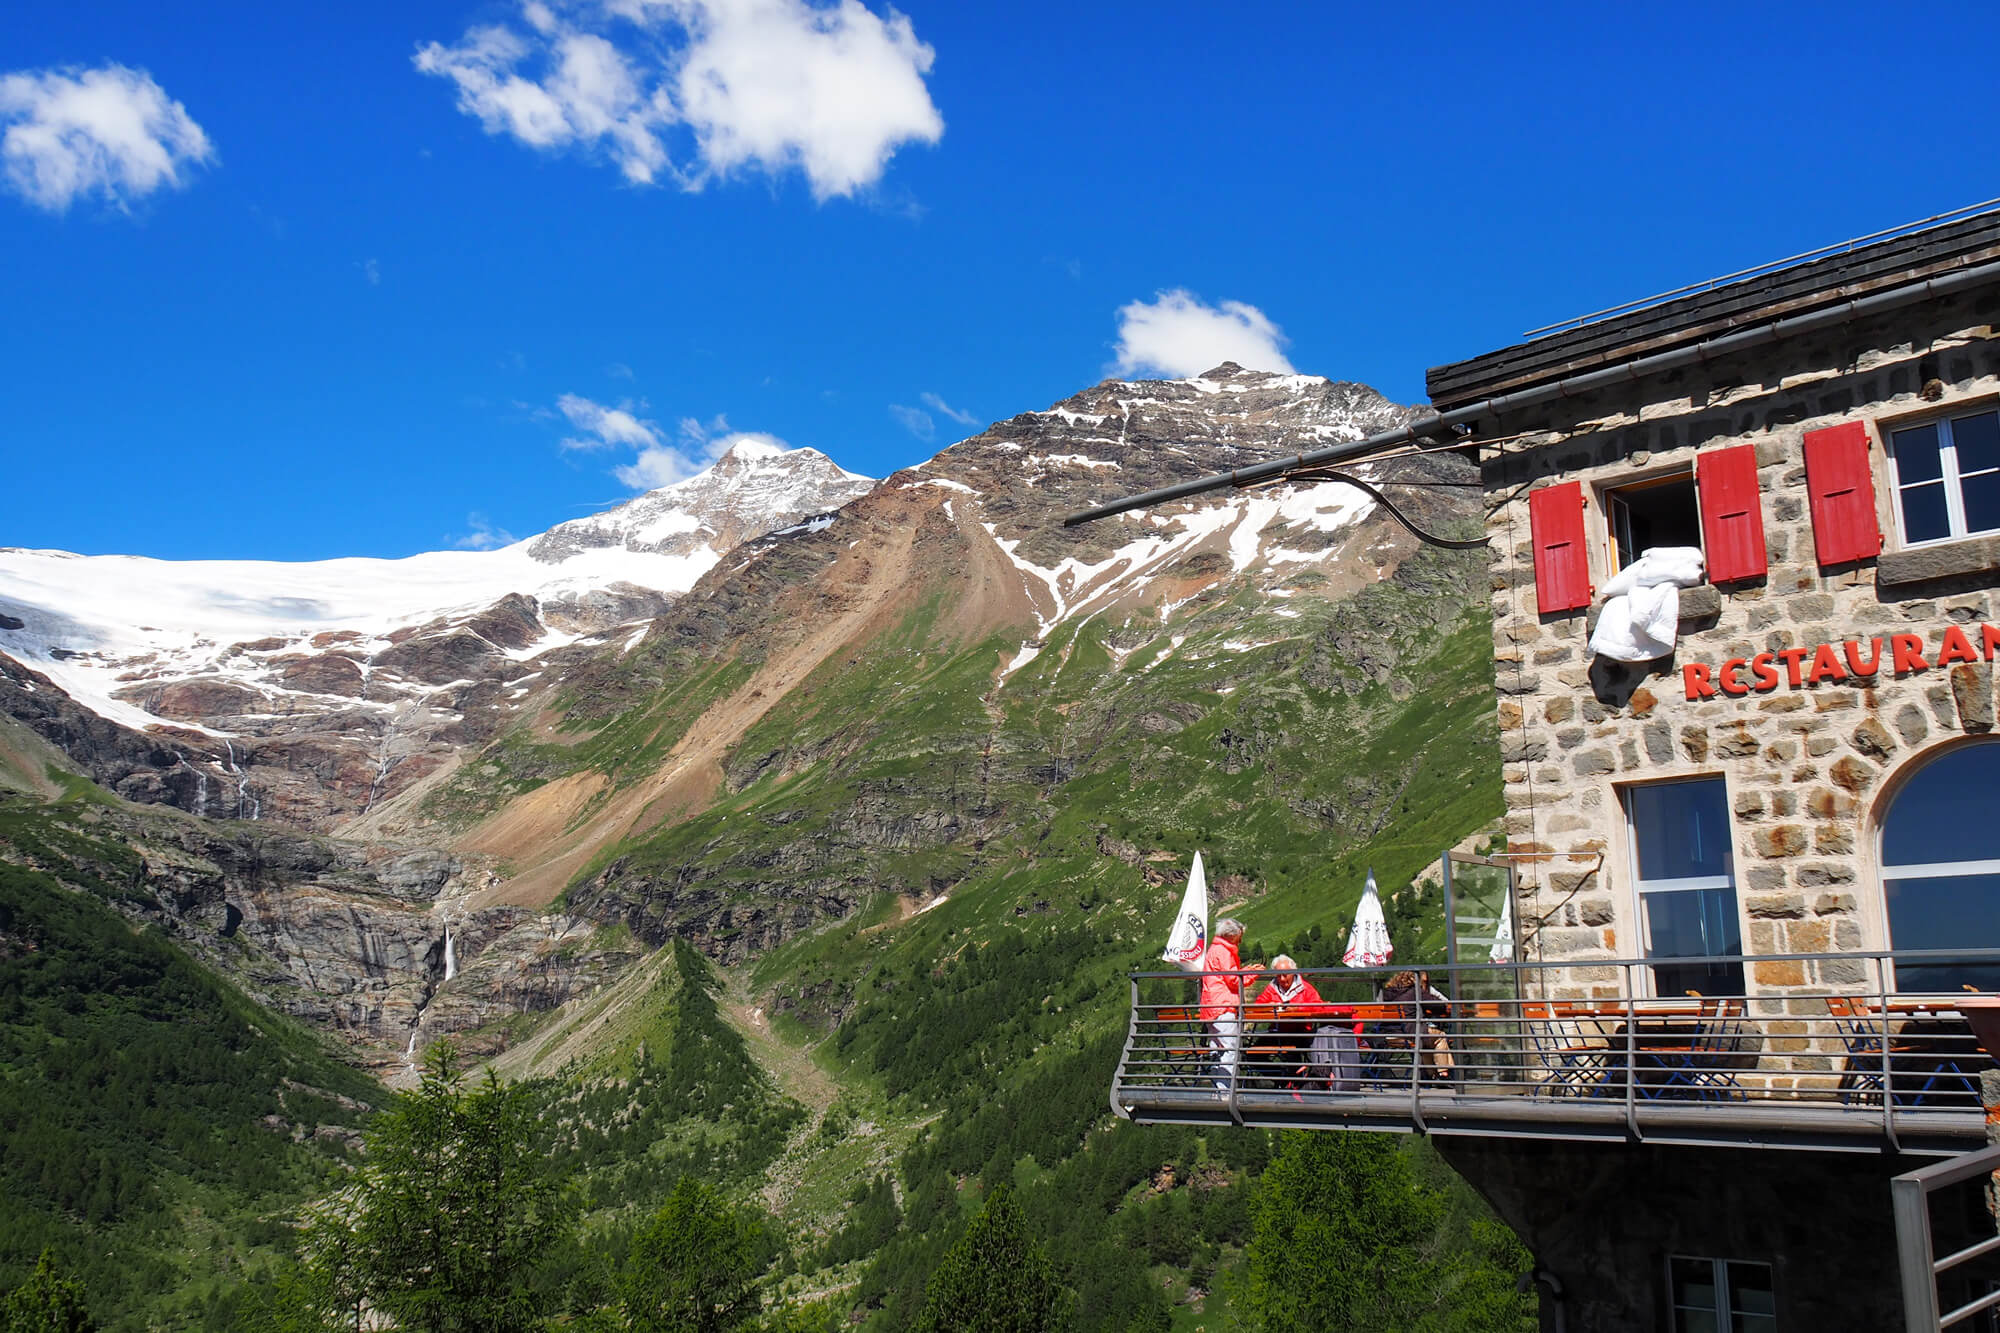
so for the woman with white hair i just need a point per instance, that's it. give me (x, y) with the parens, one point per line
(1222, 999)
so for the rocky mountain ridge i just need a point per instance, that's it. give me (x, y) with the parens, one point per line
(866, 711)
(307, 693)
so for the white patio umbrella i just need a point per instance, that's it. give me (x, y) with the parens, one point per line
(1188, 940)
(1503, 944)
(1368, 942)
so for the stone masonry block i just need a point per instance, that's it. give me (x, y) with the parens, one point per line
(1781, 840)
(1594, 763)
(1775, 906)
(1972, 692)
(1872, 739)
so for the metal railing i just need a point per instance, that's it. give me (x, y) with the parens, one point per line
(1772, 266)
(1787, 1050)
(1910, 1196)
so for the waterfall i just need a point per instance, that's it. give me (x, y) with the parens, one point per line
(450, 955)
(242, 785)
(200, 787)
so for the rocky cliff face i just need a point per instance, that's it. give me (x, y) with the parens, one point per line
(376, 944)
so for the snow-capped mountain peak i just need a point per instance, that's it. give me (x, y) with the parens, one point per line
(754, 488)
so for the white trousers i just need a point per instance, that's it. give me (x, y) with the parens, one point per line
(1226, 1040)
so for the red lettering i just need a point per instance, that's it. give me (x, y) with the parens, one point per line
(1695, 675)
(1908, 651)
(1856, 665)
(1791, 658)
(1767, 675)
(1826, 666)
(1955, 647)
(1989, 639)
(1727, 676)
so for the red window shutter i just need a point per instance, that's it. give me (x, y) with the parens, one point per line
(1562, 563)
(1732, 513)
(1842, 488)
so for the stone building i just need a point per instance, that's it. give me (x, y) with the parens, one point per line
(1811, 771)
(1784, 828)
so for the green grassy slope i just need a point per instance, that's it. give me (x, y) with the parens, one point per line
(155, 1126)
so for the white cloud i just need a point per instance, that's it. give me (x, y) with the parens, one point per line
(605, 427)
(484, 536)
(110, 132)
(942, 408)
(1177, 335)
(659, 460)
(914, 420)
(701, 90)
(618, 370)
(372, 270)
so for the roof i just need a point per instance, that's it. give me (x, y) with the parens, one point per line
(1794, 290)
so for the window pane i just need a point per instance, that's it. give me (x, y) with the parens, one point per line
(1694, 1321)
(1750, 1289)
(1694, 1283)
(1950, 912)
(1982, 502)
(1680, 830)
(1924, 516)
(1917, 454)
(1945, 812)
(1977, 439)
(1694, 924)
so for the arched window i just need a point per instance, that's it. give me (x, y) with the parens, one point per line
(1941, 867)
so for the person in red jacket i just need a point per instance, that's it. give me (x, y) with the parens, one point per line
(1222, 999)
(1298, 1015)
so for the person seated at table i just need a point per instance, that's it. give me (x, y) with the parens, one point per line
(1289, 994)
(1300, 1014)
(1425, 1006)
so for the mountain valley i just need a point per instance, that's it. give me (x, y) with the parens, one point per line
(857, 801)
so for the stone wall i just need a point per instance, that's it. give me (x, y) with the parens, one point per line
(1603, 1218)
(1808, 765)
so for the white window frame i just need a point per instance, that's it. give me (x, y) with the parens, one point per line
(1643, 888)
(1722, 1311)
(1949, 478)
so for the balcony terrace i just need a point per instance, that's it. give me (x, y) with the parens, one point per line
(1833, 1056)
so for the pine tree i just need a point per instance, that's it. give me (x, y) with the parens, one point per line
(995, 1279)
(50, 1301)
(694, 1268)
(457, 1211)
(1345, 1236)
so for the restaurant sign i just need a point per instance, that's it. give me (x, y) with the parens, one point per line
(1898, 654)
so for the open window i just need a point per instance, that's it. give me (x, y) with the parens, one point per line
(1660, 511)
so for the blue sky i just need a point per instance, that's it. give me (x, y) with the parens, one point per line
(347, 316)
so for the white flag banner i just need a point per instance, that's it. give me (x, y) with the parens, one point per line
(1189, 940)
(1368, 943)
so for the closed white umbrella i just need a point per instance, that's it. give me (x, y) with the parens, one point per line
(1368, 942)
(1189, 939)
(1503, 946)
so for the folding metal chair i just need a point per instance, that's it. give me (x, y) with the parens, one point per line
(1570, 1065)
